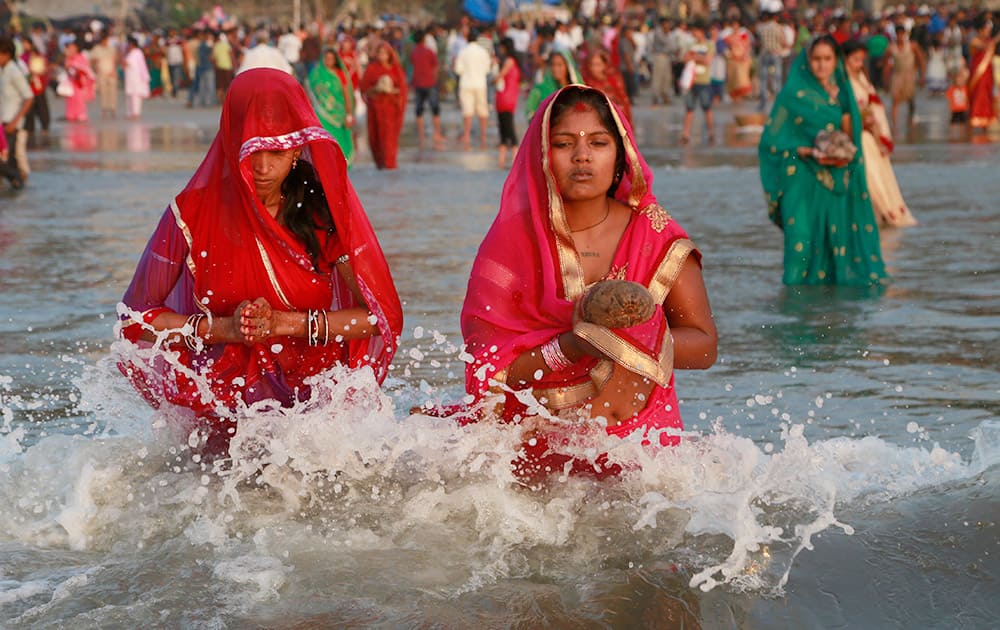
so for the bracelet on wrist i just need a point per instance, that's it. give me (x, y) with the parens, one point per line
(553, 356)
(191, 339)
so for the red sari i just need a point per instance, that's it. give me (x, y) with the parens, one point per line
(217, 246)
(386, 107)
(348, 52)
(528, 275)
(982, 106)
(612, 84)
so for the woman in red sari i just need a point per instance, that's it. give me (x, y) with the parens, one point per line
(599, 73)
(347, 49)
(982, 103)
(263, 271)
(383, 87)
(578, 208)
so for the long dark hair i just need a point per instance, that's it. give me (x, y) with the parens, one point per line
(574, 95)
(306, 209)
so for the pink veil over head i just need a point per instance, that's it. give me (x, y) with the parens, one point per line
(528, 275)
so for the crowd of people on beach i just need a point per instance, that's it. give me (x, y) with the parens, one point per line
(355, 71)
(585, 290)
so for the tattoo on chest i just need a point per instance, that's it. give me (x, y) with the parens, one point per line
(590, 254)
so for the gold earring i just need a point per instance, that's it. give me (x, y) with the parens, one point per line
(295, 162)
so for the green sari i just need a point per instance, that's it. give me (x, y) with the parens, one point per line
(326, 91)
(548, 84)
(831, 236)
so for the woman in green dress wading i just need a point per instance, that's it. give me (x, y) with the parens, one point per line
(332, 96)
(821, 203)
(561, 71)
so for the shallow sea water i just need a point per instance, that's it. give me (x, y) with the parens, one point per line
(841, 467)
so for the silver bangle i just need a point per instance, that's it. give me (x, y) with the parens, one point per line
(192, 340)
(554, 357)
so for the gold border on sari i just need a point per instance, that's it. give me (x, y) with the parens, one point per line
(271, 275)
(638, 182)
(559, 398)
(189, 261)
(623, 353)
(669, 268)
(569, 260)
(186, 231)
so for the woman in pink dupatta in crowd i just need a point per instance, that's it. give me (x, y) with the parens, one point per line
(578, 208)
(82, 79)
(263, 271)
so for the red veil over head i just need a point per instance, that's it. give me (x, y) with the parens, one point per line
(612, 84)
(232, 249)
(528, 274)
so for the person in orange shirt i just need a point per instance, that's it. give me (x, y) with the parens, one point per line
(958, 97)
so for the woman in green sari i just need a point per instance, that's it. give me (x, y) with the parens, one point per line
(822, 204)
(332, 96)
(560, 71)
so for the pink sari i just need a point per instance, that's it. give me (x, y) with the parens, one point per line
(528, 276)
(82, 79)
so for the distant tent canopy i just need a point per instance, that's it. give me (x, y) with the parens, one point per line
(490, 10)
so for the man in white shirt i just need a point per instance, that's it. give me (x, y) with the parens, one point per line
(15, 101)
(521, 38)
(563, 40)
(472, 66)
(175, 62)
(678, 42)
(291, 47)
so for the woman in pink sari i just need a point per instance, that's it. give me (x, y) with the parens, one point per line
(82, 79)
(578, 208)
(263, 271)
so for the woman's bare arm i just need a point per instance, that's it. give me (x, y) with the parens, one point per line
(690, 317)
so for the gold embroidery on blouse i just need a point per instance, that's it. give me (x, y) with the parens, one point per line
(617, 273)
(658, 217)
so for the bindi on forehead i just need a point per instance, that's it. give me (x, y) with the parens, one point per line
(581, 132)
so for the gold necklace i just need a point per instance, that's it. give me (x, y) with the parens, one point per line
(607, 213)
